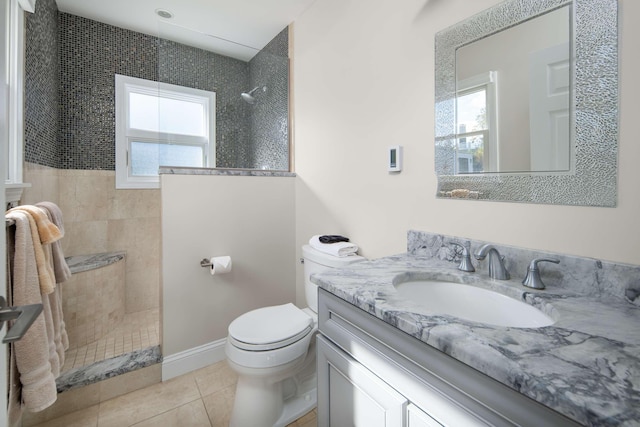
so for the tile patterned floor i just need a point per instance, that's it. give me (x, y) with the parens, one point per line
(137, 331)
(202, 398)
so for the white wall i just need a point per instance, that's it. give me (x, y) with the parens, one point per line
(363, 80)
(249, 218)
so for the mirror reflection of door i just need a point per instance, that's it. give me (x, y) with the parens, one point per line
(549, 113)
(524, 136)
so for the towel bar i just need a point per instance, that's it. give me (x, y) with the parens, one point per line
(25, 315)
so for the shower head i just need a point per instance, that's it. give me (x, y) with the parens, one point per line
(248, 96)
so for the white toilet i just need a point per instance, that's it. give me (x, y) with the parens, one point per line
(272, 349)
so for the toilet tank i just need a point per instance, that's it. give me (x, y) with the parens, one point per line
(316, 262)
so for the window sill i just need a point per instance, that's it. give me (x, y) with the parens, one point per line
(13, 192)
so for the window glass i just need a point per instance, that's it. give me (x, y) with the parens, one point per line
(472, 130)
(162, 114)
(471, 154)
(147, 157)
(472, 111)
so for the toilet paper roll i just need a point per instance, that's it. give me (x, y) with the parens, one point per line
(220, 265)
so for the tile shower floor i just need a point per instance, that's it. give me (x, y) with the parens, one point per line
(136, 332)
(202, 398)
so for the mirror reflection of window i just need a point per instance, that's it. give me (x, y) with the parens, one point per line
(476, 133)
(472, 131)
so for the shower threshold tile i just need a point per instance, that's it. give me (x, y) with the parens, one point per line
(108, 368)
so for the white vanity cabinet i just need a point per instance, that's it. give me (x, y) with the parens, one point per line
(371, 374)
(356, 396)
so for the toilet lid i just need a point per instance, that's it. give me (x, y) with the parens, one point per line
(270, 327)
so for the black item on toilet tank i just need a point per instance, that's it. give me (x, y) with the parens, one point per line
(333, 238)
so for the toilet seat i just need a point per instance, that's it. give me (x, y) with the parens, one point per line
(270, 328)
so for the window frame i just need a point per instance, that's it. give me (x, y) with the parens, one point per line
(126, 135)
(14, 150)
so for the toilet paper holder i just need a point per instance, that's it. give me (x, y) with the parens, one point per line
(206, 262)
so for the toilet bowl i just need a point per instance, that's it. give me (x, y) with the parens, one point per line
(272, 349)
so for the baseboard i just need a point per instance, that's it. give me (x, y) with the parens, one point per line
(192, 359)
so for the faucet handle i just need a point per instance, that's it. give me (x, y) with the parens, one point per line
(465, 262)
(533, 279)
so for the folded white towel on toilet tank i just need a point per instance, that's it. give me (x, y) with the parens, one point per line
(339, 249)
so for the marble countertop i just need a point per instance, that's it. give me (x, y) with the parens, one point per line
(585, 366)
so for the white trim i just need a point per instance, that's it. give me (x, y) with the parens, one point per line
(15, 147)
(4, 136)
(192, 359)
(28, 5)
(13, 192)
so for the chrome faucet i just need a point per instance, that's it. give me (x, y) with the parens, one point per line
(497, 270)
(533, 279)
(465, 262)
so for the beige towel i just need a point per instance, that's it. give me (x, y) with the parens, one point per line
(62, 274)
(47, 230)
(32, 351)
(43, 262)
(60, 267)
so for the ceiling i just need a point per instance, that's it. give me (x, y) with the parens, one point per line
(235, 28)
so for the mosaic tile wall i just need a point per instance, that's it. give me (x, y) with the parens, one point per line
(85, 55)
(90, 54)
(41, 85)
(188, 66)
(269, 121)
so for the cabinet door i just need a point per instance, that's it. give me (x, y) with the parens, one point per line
(352, 396)
(418, 418)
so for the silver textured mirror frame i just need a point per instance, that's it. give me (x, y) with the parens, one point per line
(593, 181)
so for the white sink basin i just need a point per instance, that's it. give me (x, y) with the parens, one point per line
(472, 303)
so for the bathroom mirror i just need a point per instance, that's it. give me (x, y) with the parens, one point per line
(526, 104)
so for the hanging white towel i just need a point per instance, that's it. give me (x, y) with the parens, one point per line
(32, 355)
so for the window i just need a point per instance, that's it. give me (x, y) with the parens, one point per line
(159, 124)
(476, 139)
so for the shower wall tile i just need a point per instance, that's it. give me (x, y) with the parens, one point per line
(228, 78)
(41, 82)
(146, 294)
(85, 237)
(269, 119)
(91, 53)
(99, 218)
(94, 303)
(45, 184)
